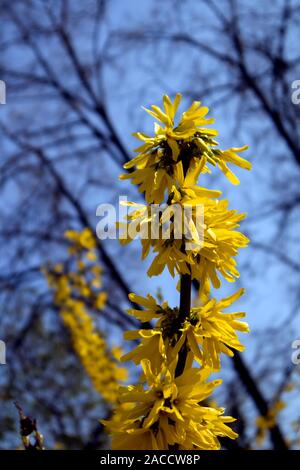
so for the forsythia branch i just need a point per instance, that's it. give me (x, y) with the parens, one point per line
(167, 408)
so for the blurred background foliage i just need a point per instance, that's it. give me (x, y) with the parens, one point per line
(76, 75)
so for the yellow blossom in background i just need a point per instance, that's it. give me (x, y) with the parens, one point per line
(93, 352)
(77, 287)
(81, 240)
(264, 423)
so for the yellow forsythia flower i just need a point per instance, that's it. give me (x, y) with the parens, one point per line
(264, 423)
(77, 290)
(159, 160)
(168, 411)
(209, 255)
(207, 330)
(91, 347)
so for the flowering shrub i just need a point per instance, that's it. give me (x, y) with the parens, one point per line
(78, 290)
(168, 408)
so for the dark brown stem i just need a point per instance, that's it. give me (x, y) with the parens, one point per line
(185, 298)
(184, 311)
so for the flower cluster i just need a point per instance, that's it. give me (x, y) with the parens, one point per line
(161, 159)
(168, 413)
(180, 346)
(172, 161)
(77, 289)
(207, 331)
(211, 249)
(269, 421)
